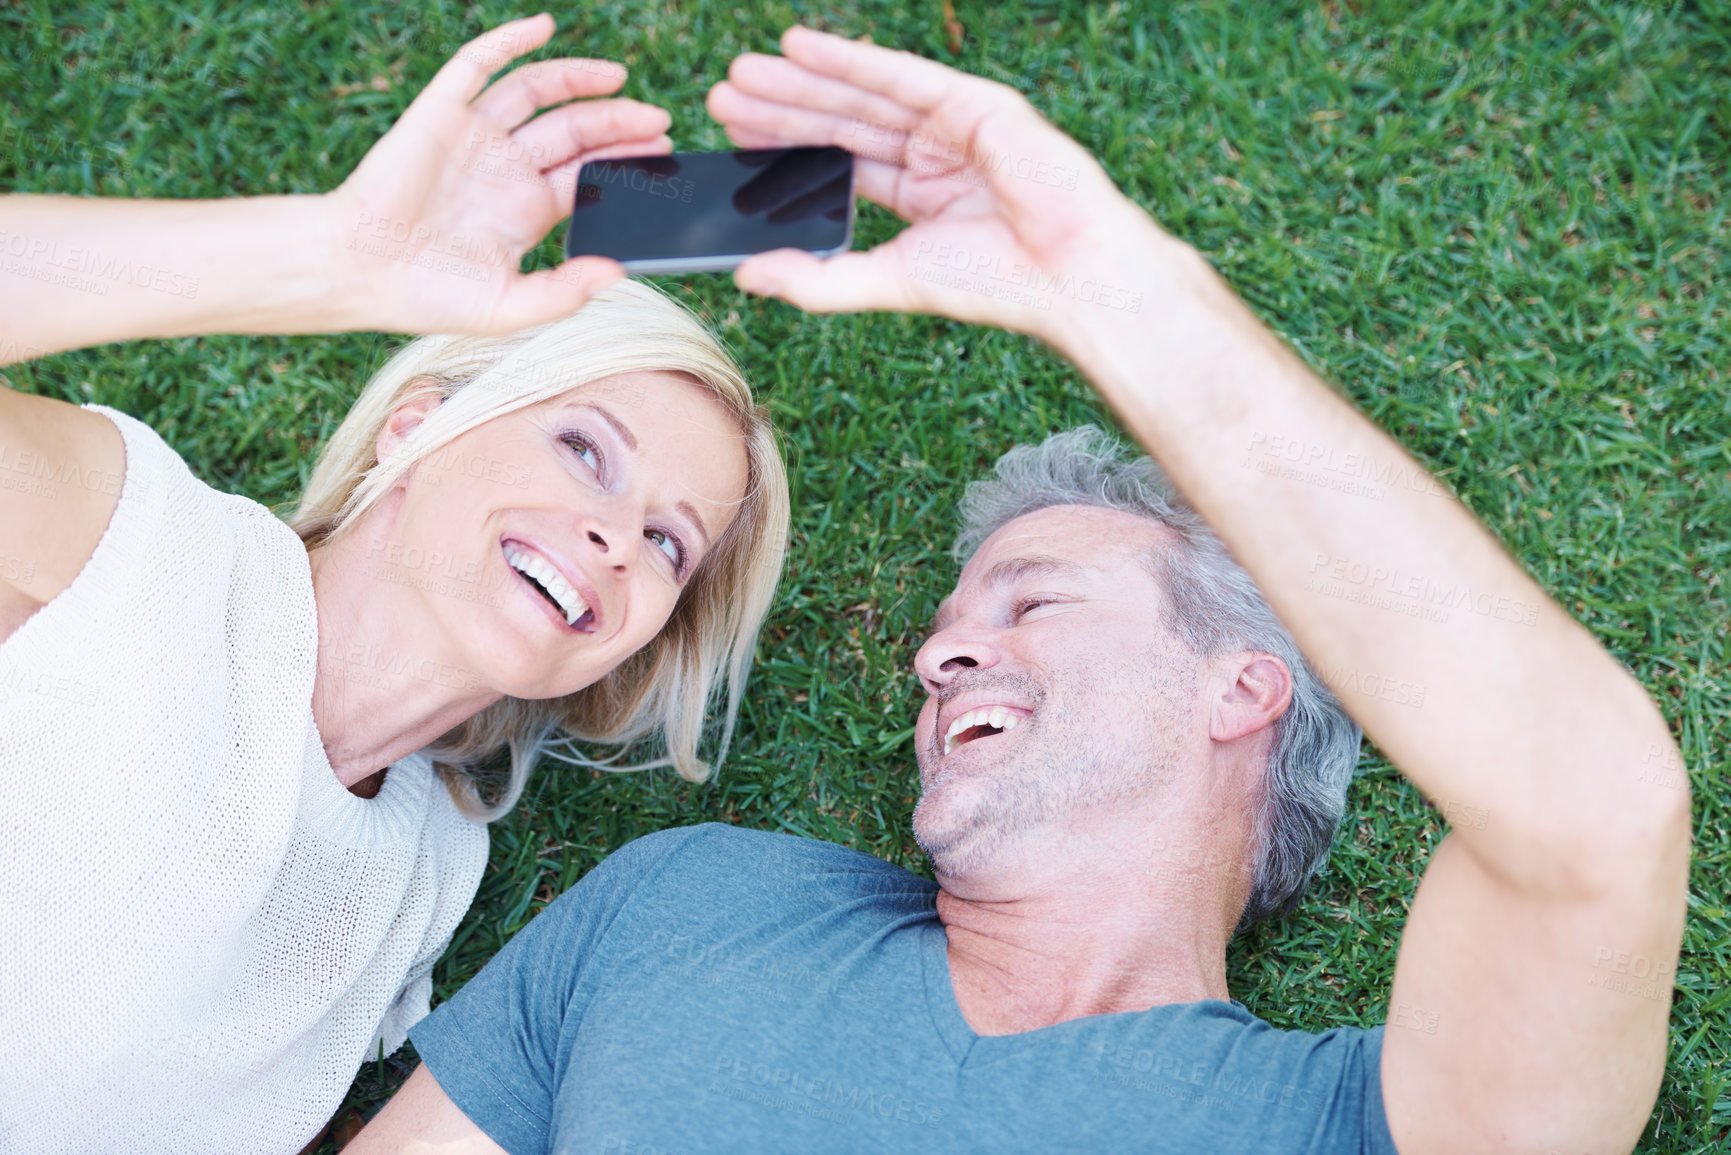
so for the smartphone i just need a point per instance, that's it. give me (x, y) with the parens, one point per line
(705, 212)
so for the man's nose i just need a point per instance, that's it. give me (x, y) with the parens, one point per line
(952, 650)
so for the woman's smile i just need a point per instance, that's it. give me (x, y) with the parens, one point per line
(562, 592)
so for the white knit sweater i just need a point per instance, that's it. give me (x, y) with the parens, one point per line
(202, 933)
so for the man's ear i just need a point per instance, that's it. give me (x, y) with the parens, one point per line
(1257, 690)
(405, 419)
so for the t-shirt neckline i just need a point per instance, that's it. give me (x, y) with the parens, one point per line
(970, 1049)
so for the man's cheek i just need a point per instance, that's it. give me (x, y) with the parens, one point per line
(923, 728)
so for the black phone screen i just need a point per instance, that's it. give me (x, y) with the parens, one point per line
(691, 206)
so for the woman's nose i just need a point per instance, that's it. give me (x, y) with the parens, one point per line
(617, 545)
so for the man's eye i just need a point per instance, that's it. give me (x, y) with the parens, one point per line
(1024, 606)
(668, 545)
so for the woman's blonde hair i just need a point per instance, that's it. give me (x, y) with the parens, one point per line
(666, 687)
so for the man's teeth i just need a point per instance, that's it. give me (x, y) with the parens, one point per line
(997, 717)
(550, 580)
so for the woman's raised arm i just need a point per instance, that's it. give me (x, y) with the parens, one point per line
(425, 236)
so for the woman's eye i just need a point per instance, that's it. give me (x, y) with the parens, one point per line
(668, 545)
(586, 452)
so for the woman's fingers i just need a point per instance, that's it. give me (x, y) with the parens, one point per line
(563, 179)
(524, 91)
(462, 77)
(538, 297)
(555, 137)
(746, 138)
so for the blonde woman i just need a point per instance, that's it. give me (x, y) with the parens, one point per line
(245, 767)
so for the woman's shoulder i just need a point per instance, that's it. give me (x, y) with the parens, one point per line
(176, 564)
(61, 471)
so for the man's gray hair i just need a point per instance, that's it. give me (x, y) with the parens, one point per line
(1216, 608)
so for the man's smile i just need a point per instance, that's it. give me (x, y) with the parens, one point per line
(972, 720)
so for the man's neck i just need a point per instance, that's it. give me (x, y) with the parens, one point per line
(1122, 916)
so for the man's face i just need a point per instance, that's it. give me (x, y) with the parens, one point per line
(1054, 685)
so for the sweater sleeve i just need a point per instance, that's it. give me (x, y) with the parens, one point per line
(459, 846)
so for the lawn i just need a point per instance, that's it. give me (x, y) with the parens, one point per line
(1499, 226)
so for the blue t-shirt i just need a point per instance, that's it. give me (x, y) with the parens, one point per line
(717, 989)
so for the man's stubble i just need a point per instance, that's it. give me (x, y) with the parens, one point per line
(1100, 737)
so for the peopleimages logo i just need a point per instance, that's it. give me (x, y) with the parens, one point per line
(1124, 1063)
(1416, 595)
(39, 475)
(638, 180)
(1352, 472)
(86, 269)
(986, 272)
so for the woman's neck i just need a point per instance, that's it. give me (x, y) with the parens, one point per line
(387, 683)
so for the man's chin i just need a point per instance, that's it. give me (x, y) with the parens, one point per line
(959, 834)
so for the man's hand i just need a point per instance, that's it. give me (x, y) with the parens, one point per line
(1003, 207)
(437, 216)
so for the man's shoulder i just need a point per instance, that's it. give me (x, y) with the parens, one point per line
(1229, 1027)
(761, 853)
(716, 866)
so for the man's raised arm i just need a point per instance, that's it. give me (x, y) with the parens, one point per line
(1532, 989)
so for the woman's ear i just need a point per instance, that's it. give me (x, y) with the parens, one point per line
(1257, 688)
(404, 420)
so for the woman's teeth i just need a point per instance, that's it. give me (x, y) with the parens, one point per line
(549, 579)
(997, 718)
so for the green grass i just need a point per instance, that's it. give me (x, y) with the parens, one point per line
(1500, 226)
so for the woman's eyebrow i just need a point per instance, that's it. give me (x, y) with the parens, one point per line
(625, 434)
(630, 440)
(690, 511)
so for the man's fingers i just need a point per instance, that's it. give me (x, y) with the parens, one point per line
(464, 75)
(895, 188)
(539, 297)
(845, 283)
(910, 80)
(779, 79)
(524, 91)
(555, 137)
(746, 116)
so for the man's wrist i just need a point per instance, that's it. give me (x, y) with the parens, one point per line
(1135, 282)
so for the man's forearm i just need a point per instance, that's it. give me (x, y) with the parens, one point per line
(1506, 713)
(80, 271)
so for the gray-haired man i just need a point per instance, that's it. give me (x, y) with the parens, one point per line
(1123, 758)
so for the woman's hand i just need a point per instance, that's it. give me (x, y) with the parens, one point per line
(433, 223)
(1011, 220)
(424, 237)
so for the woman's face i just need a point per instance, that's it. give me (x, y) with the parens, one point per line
(551, 543)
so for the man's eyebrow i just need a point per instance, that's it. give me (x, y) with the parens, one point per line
(1012, 570)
